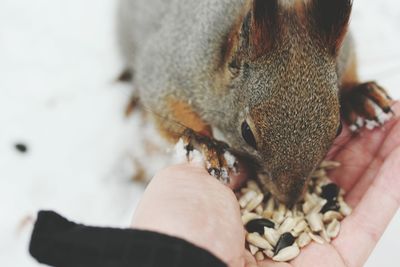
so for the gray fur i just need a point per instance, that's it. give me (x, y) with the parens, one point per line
(174, 48)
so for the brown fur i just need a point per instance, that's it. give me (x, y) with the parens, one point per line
(181, 111)
(265, 25)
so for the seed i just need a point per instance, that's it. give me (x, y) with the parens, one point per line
(254, 202)
(247, 217)
(282, 208)
(330, 192)
(300, 226)
(303, 240)
(259, 209)
(289, 213)
(345, 209)
(269, 253)
(254, 186)
(330, 206)
(312, 198)
(319, 173)
(321, 203)
(246, 198)
(287, 225)
(256, 240)
(278, 217)
(287, 254)
(325, 236)
(315, 222)
(22, 148)
(307, 207)
(258, 225)
(267, 214)
(317, 238)
(328, 165)
(270, 204)
(253, 249)
(332, 215)
(284, 241)
(333, 229)
(271, 235)
(259, 256)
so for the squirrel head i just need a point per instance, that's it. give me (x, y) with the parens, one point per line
(282, 62)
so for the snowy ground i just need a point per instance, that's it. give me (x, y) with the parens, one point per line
(58, 95)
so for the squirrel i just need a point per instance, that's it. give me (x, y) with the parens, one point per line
(275, 77)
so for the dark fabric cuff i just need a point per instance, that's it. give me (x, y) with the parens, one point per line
(58, 242)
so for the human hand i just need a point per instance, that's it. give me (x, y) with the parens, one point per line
(202, 211)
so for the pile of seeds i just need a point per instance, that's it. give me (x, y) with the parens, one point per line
(278, 233)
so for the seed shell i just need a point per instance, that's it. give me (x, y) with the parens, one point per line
(257, 225)
(286, 240)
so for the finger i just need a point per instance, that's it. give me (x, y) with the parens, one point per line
(392, 141)
(361, 230)
(358, 155)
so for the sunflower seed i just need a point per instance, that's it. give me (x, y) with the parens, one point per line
(344, 208)
(303, 240)
(259, 210)
(254, 202)
(278, 217)
(271, 235)
(328, 165)
(300, 226)
(254, 186)
(308, 206)
(317, 208)
(330, 192)
(287, 254)
(269, 253)
(256, 240)
(253, 249)
(319, 173)
(332, 215)
(333, 229)
(325, 235)
(246, 198)
(287, 225)
(315, 222)
(267, 214)
(330, 206)
(258, 225)
(317, 238)
(286, 240)
(259, 256)
(270, 204)
(249, 217)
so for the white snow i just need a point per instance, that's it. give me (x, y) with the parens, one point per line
(58, 62)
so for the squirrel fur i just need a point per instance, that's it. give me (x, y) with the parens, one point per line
(275, 69)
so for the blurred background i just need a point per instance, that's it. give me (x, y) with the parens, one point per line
(64, 141)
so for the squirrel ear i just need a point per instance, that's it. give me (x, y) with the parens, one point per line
(264, 25)
(330, 19)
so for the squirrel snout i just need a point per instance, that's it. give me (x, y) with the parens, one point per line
(287, 188)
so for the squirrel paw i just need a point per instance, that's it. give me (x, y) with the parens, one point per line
(219, 162)
(365, 102)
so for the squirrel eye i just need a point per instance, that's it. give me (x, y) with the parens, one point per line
(339, 131)
(248, 135)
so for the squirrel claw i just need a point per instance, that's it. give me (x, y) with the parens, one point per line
(366, 101)
(213, 153)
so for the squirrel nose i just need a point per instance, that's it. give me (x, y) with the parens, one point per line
(290, 188)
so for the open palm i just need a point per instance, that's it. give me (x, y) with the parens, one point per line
(191, 204)
(370, 175)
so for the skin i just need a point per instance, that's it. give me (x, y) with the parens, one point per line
(200, 209)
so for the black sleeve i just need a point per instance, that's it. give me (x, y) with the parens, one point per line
(58, 242)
